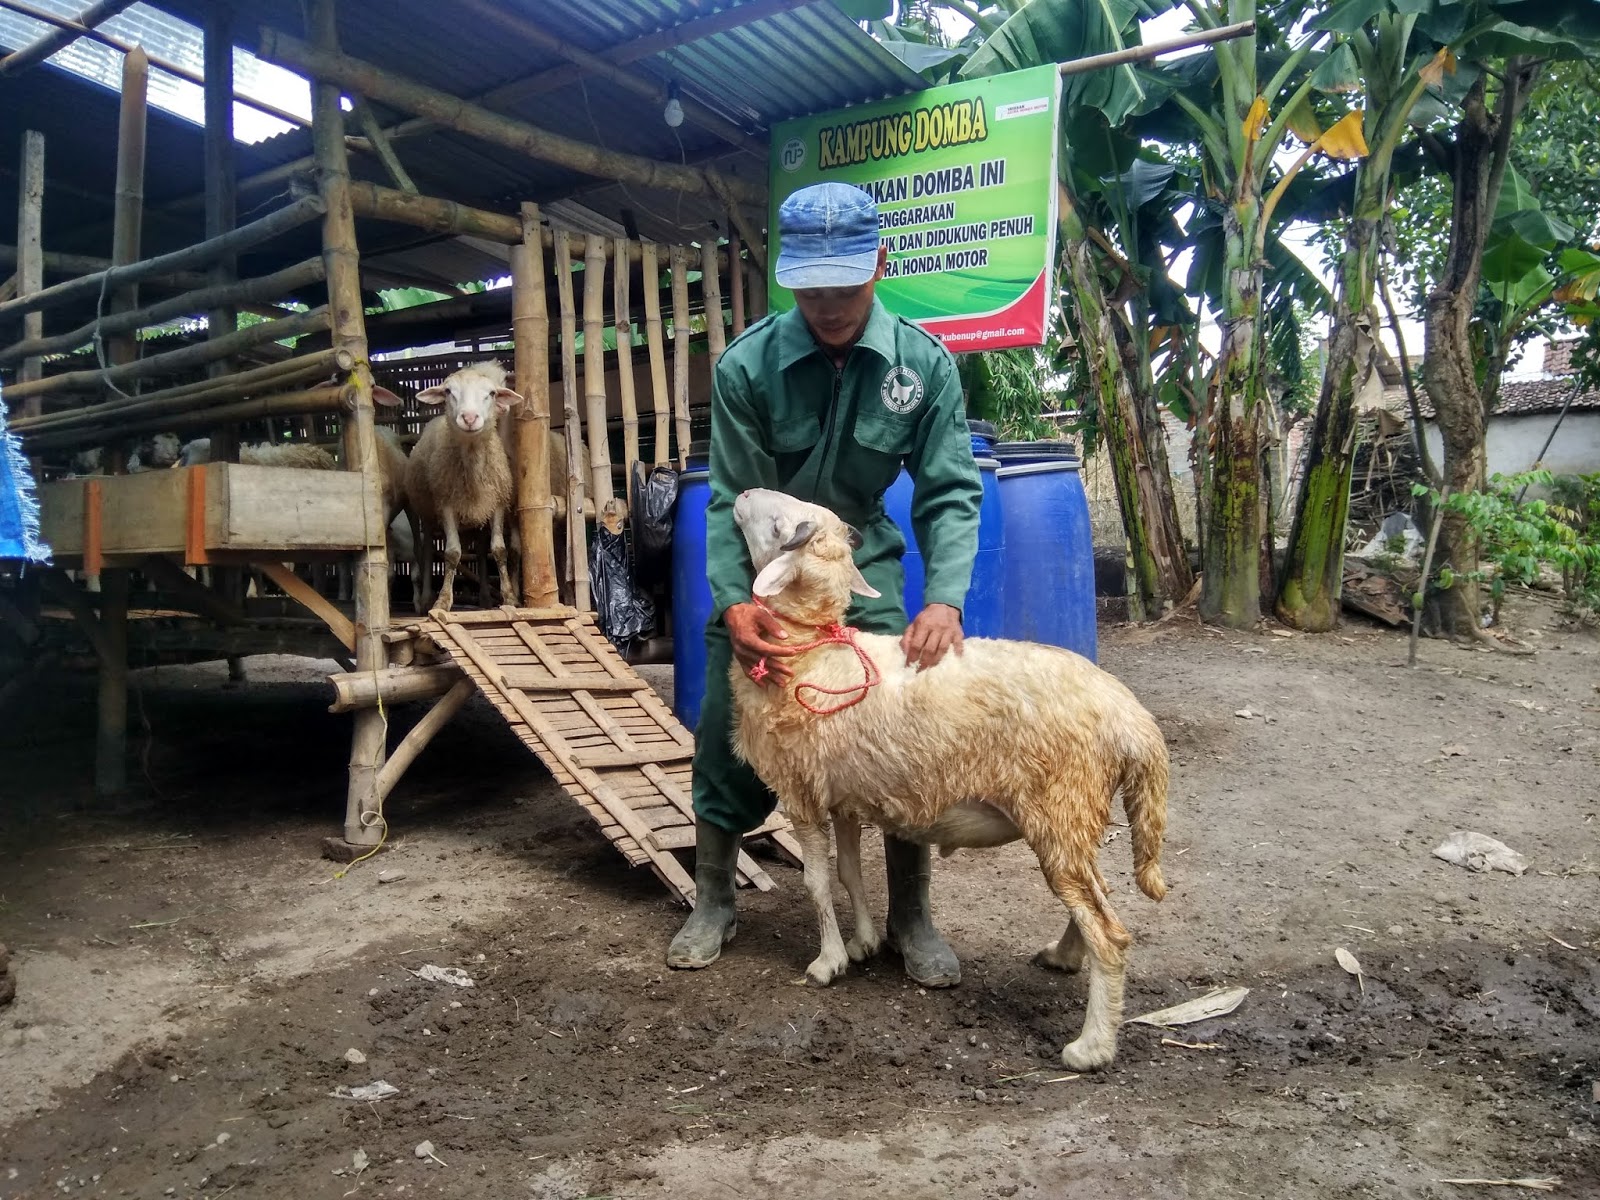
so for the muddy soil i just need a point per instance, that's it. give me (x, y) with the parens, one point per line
(192, 976)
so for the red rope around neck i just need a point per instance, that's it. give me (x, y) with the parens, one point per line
(832, 635)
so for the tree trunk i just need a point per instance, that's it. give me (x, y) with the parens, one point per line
(1144, 482)
(1480, 154)
(1313, 570)
(1231, 594)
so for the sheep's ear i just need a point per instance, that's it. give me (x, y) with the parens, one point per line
(505, 398)
(437, 394)
(860, 586)
(802, 534)
(776, 575)
(382, 395)
(853, 536)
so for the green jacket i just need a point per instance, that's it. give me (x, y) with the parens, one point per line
(783, 417)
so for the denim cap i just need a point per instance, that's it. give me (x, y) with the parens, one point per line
(827, 237)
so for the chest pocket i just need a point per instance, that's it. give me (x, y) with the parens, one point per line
(886, 432)
(793, 434)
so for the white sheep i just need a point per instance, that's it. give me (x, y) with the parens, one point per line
(262, 454)
(999, 741)
(459, 476)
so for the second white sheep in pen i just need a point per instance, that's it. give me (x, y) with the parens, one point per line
(1000, 741)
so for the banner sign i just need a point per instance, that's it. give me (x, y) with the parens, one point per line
(965, 181)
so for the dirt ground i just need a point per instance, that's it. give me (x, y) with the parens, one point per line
(192, 976)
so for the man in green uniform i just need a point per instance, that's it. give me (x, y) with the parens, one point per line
(825, 402)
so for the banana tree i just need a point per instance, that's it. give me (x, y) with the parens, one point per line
(1236, 105)
(1375, 57)
(1104, 192)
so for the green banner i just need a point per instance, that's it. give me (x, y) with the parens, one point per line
(965, 181)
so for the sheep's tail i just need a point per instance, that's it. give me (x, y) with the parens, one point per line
(1144, 799)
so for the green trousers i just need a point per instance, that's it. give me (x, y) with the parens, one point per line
(726, 791)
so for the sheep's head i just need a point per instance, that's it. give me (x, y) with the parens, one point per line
(473, 397)
(802, 555)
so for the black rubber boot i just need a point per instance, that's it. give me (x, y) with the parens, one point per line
(713, 922)
(928, 958)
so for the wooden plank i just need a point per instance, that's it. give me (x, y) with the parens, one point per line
(497, 616)
(537, 679)
(645, 756)
(287, 508)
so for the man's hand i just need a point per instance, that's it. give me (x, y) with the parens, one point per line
(756, 634)
(936, 630)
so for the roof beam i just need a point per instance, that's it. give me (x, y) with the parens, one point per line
(78, 30)
(60, 38)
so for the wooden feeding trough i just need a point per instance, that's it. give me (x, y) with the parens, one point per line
(236, 547)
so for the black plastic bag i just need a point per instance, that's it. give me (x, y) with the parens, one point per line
(624, 612)
(655, 495)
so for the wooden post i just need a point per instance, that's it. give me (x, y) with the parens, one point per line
(30, 253)
(530, 329)
(660, 398)
(221, 203)
(680, 349)
(129, 210)
(363, 810)
(623, 321)
(736, 280)
(594, 368)
(711, 291)
(111, 741)
(758, 291)
(577, 543)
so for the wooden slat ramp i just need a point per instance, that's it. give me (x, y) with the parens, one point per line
(603, 733)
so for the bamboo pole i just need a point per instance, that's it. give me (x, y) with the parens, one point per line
(364, 802)
(216, 296)
(129, 202)
(382, 147)
(222, 315)
(174, 361)
(660, 397)
(1095, 62)
(758, 291)
(423, 732)
(594, 368)
(392, 685)
(58, 39)
(201, 254)
(335, 397)
(680, 349)
(577, 543)
(736, 280)
(711, 292)
(30, 251)
(111, 739)
(72, 265)
(623, 319)
(433, 214)
(271, 377)
(452, 112)
(530, 328)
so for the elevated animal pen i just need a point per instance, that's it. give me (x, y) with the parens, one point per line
(214, 560)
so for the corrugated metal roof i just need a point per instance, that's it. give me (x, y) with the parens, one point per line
(782, 65)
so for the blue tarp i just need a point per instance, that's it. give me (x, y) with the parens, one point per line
(19, 509)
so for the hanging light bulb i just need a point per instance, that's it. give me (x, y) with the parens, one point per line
(673, 113)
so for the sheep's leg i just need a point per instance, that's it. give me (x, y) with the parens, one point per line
(1065, 955)
(928, 958)
(452, 557)
(497, 551)
(1070, 870)
(831, 962)
(847, 836)
(422, 564)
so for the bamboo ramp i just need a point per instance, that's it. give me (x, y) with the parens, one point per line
(608, 739)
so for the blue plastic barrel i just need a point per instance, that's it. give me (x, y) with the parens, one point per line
(691, 591)
(983, 612)
(1049, 568)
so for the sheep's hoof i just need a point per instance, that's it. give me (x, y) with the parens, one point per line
(1083, 1055)
(1051, 959)
(860, 949)
(825, 968)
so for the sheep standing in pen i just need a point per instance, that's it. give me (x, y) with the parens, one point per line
(1003, 740)
(459, 477)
